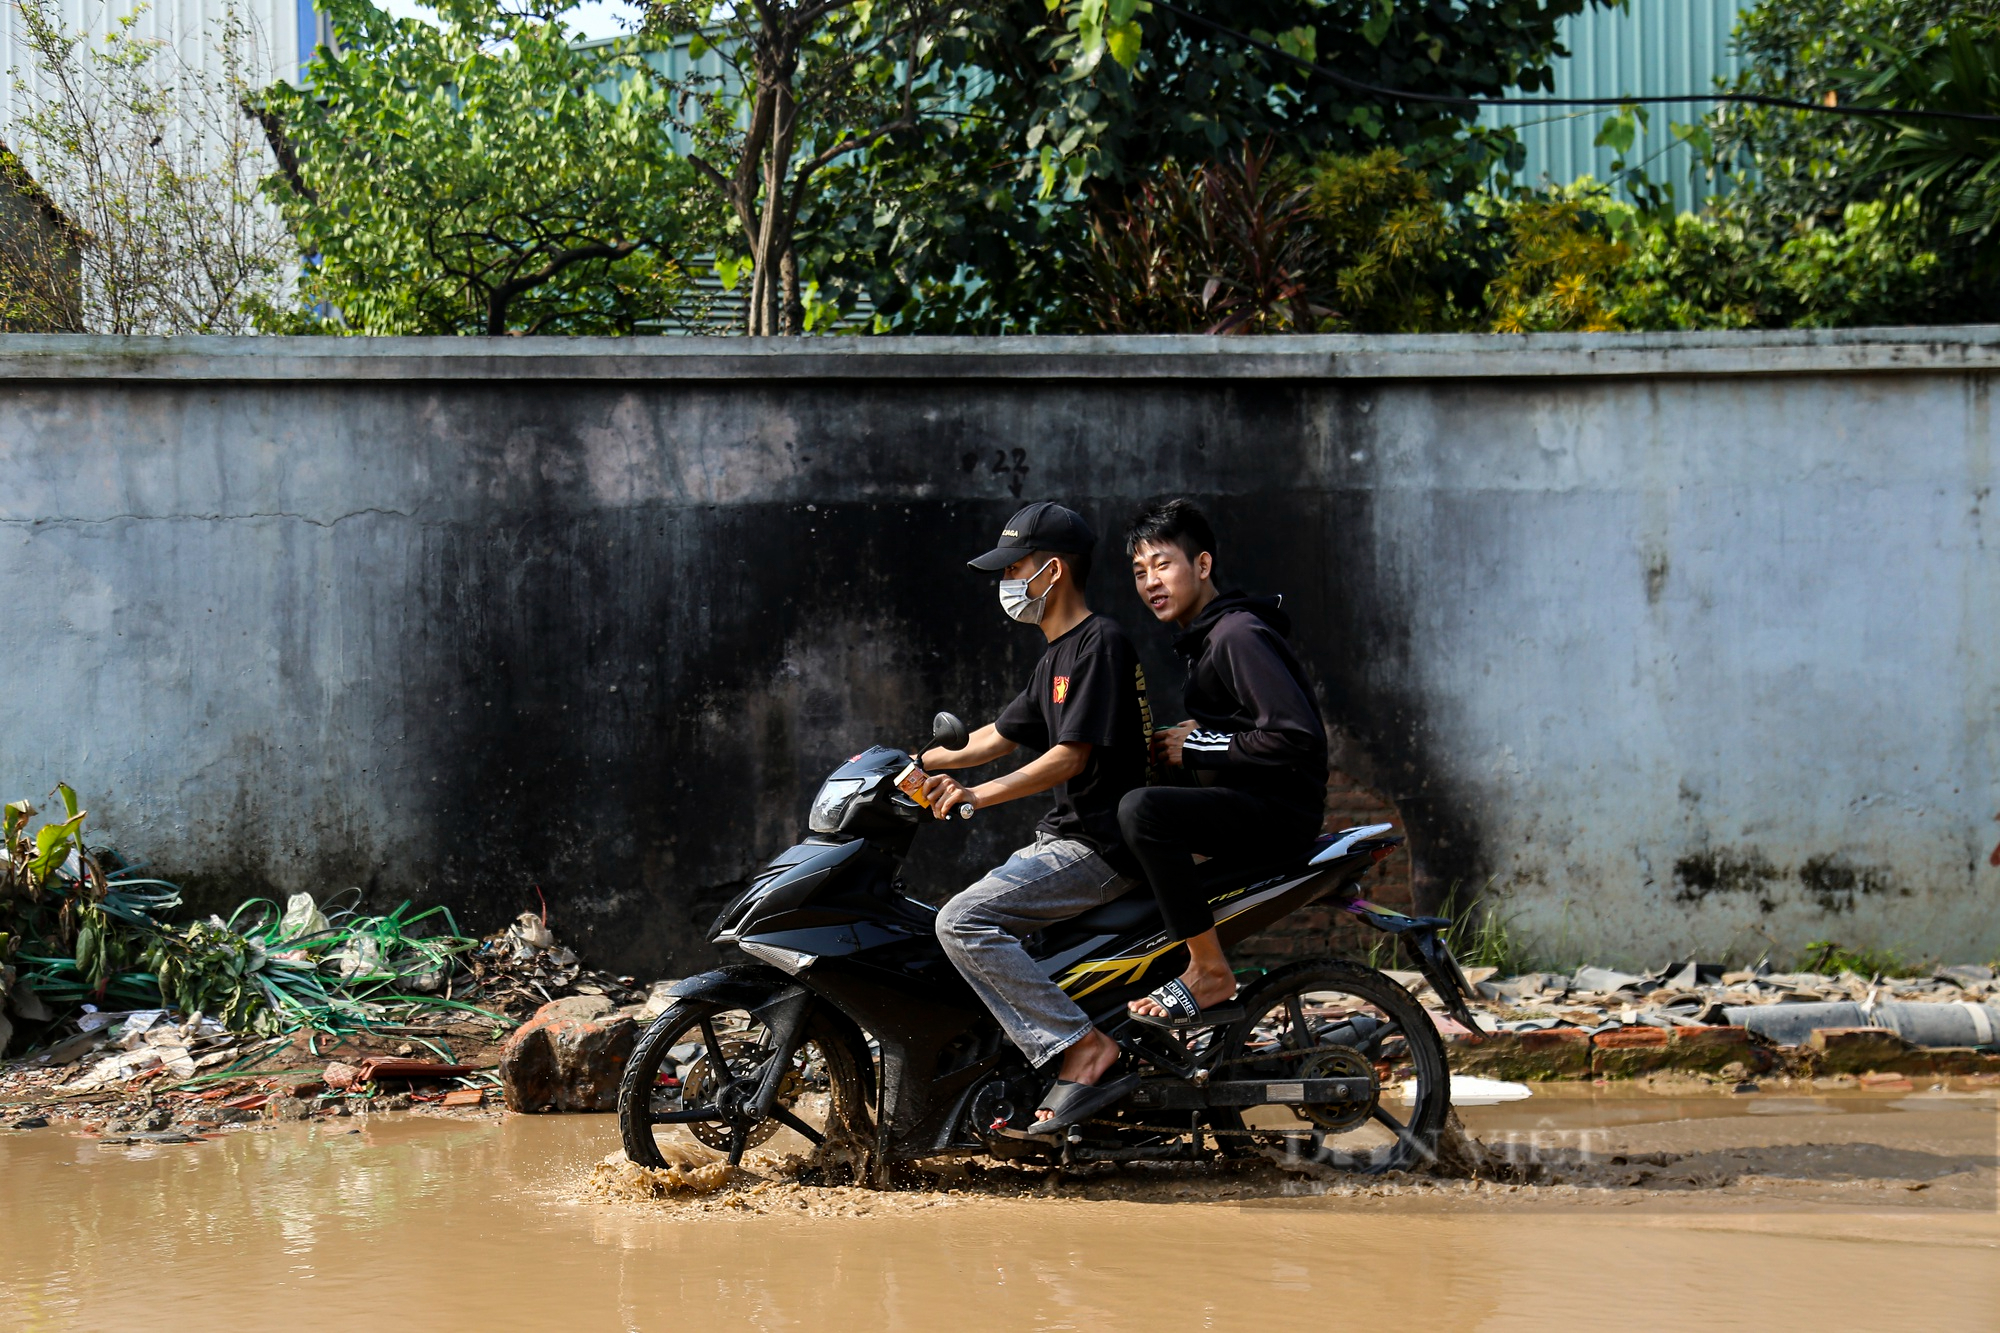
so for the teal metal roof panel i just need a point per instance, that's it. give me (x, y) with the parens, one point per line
(1646, 48)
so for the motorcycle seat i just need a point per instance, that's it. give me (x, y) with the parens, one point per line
(1128, 912)
(1136, 909)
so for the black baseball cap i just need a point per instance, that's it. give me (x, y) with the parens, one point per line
(1043, 526)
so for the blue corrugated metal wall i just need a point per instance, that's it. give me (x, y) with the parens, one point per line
(1649, 47)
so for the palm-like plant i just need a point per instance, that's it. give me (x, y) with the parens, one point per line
(1950, 169)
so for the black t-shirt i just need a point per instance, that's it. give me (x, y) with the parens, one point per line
(1090, 687)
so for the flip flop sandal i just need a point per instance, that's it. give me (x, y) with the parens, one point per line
(1182, 1011)
(1069, 1103)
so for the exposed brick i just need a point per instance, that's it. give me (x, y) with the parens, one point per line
(1708, 1049)
(1528, 1056)
(1623, 1038)
(1321, 930)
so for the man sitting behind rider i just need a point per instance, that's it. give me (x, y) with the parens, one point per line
(1084, 709)
(1255, 744)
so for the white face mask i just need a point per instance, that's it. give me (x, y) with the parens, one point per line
(1014, 599)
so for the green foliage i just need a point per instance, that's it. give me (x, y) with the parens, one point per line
(1801, 168)
(1949, 169)
(982, 222)
(1558, 267)
(1836, 220)
(1391, 243)
(1711, 272)
(1483, 938)
(1227, 249)
(482, 175)
(78, 932)
(1829, 958)
(139, 150)
(811, 88)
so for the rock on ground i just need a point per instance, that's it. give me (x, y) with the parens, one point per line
(568, 1057)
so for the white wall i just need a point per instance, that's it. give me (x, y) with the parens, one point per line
(189, 24)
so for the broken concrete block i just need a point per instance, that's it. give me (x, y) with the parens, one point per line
(1858, 1050)
(568, 1057)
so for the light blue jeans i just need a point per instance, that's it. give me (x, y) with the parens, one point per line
(1047, 882)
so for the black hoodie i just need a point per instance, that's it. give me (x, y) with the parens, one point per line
(1258, 728)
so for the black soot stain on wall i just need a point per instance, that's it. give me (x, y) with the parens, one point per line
(622, 700)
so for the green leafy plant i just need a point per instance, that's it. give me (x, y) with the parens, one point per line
(1227, 249)
(1831, 958)
(483, 174)
(1397, 252)
(1949, 169)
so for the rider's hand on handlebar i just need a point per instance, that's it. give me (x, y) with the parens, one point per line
(1167, 743)
(946, 794)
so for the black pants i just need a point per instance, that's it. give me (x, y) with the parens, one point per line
(1166, 827)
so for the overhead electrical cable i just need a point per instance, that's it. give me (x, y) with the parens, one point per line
(1453, 99)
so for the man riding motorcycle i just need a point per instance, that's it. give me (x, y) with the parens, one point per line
(1255, 745)
(1084, 709)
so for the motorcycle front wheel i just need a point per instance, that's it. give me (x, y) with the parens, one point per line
(694, 1076)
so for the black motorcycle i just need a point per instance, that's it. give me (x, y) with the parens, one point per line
(854, 1032)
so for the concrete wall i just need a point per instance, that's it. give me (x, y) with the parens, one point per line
(1680, 643)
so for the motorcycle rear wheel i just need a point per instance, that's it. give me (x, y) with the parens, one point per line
(695, 1070)
(1303, 1022)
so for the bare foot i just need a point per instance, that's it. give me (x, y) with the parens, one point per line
(1085, 1061)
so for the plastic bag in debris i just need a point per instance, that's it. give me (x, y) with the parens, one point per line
(302, 918)
(117, 1068)
(137, 1024)
(421, 979)
(361, 954)
(529, 936)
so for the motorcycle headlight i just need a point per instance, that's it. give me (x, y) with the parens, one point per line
(829, 808)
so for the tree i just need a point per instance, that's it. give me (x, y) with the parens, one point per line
(1835, 220)
(483, 174)
(978, 224)
(1798, 169)
(810, 83)
(155, 167)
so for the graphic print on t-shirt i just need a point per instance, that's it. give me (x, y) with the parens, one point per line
(1061, 690)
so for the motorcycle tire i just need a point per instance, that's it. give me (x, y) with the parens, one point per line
(824, 1063)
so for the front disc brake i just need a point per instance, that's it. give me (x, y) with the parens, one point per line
(746, 1065)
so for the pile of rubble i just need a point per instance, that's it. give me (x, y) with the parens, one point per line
(1703, 1017)
(1598, 998)
(166, 1076)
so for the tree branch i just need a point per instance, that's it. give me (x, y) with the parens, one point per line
(499, 297)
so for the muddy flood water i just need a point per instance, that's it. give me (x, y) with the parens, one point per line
(1779, 1210)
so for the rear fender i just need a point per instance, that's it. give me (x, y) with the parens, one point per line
(1422, 936)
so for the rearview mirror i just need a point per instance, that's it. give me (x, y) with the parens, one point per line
(948, 731)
